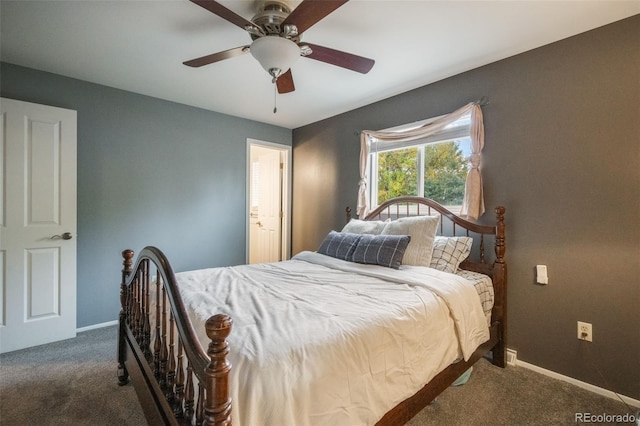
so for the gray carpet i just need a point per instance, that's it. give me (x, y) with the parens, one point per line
(514, 396)
(74, 382)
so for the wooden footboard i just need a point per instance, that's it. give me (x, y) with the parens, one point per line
(159, 352)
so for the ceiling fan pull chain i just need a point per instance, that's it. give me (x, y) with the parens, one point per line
(275, 94)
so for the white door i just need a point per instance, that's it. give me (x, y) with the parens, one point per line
(37, 224)
(266, 205)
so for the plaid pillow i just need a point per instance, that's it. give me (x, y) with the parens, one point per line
(339, 245)
(449, 252)
(383, 250)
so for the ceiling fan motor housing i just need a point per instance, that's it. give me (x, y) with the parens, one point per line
(270, 15)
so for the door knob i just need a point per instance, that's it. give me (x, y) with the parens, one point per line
(258, 223)
(65, 236)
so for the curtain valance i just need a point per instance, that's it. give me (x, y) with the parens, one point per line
(473, 202)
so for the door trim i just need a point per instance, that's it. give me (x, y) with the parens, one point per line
(285, 237)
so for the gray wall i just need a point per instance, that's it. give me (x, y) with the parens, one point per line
(150, 172)
(562, 154)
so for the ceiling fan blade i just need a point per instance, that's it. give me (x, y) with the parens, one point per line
(310, 12)
(215, 7)
(215, 57)
(285, 83)
(341, 59)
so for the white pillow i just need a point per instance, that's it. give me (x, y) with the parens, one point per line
(422, 230)
(449, 252)
(357, 226)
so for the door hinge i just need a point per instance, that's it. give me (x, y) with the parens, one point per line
(281, 166)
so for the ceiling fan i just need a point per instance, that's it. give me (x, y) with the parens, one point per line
(276, 30)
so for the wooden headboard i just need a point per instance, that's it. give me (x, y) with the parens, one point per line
(482, 260)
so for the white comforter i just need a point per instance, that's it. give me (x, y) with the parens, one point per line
(317, 340)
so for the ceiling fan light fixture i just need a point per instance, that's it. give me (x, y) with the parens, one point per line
(275, 54)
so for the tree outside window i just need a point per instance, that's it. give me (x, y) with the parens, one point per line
(397, 173)
(435, 170)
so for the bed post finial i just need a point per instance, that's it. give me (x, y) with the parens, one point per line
(127, 256)
(348, 211)
(217, 410)
(127, 263)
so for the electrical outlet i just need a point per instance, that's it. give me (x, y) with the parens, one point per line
(585, 331)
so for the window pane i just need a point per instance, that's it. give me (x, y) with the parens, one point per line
(397, 173)
(446, 171)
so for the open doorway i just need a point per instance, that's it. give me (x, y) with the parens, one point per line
(268, 201)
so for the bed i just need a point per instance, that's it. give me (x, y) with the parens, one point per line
(396, 339)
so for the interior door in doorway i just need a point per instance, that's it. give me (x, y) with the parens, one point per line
(37, 224)
(265, 226)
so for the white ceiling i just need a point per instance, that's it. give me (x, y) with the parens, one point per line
(139, 46)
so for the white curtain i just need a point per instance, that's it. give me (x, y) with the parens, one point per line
(363, 196)
(473, 202)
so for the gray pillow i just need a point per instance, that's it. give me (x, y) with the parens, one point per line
(383, 250)
(340, 245)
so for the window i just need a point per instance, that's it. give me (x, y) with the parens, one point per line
(434, 167)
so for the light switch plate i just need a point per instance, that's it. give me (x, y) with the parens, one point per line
(541, 274)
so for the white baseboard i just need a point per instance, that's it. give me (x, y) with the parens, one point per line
(93, 327)
(600, 391)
